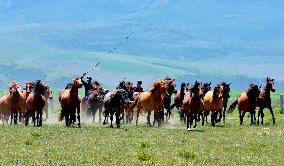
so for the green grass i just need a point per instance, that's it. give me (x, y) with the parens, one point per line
(95, 144)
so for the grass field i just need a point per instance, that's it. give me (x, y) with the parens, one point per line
(95, 144)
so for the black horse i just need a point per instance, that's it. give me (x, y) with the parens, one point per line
(114, 103)
(96, 103)
(264, 100)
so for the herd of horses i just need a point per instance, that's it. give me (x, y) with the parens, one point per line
(194, 103)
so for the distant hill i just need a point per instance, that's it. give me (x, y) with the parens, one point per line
(240, 41)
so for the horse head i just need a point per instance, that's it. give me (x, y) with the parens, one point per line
(77, 83)
(123, 95)
(39, 87)
(270, 85)
(195, 90)
(217, 92)
(205, 88)
(225, 89)
(14, 93)
(29, 87)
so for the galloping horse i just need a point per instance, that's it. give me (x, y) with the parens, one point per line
(151, 100)
(114, 102)
(212, 103)
(18, 102)
(264, 100)
(246, 102)
(35, 103)
(192, 105)
(70, 102)
(96, 102)
(203, 90)
(226, 95)
(178, 99)
(171, 89)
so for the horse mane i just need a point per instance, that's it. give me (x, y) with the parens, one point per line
(155, 86)
(14, 84)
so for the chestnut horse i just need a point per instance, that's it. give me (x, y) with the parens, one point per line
(212, 103)
(151, 100)
(35, 103)
(193, 105)
(264, 100)
(18, 101)
(246, 102)
(5, 108)
(70, 102)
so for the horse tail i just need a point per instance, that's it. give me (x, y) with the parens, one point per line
(61, 116)
(134, 104)
(233, 106)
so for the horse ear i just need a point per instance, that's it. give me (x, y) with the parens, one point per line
(272, 80)
(209, 83)
(267, 79)
(230, 83)
(187, 84)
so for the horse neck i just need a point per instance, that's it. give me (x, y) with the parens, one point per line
(74, 90)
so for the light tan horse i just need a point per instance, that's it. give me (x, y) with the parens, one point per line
(70, 102)
(48, 96)
(213, 103)
(151, 100)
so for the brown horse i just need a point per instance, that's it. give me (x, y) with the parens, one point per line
(35, 103)
(226, 95)
(178, 99)
(193, 105)
(246, 102)
(151, 100)
(18, 102)
(212, 103)
(5, 108)
(264, 100)
(70, 102)
(171, 89)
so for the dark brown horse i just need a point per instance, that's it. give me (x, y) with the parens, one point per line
(178, 99)
(246, 102)
(192, 105)
(225, 95)
(114, 102)
(264, 100)
(35, 103)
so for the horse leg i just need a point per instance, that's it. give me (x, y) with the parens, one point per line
(16, 117)
(187, 123)
(78, 116)
(251, 117)
(12, 117)
(261, 115)
(111, 119)
(100, 115)
(106, 116)
(213, 118)
(40, 117)
(224, 113)
(67, 119)
(202, 116)
(148, 118)
(34, 117)
(271, 111)
(137, 116)
(117, 114)
(195, 118)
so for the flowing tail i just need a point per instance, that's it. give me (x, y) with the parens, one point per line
(233, 106)
(61, 116)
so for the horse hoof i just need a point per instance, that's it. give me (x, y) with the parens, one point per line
(111, 126)
(118, 126)
(104, 123)
(189, 129)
